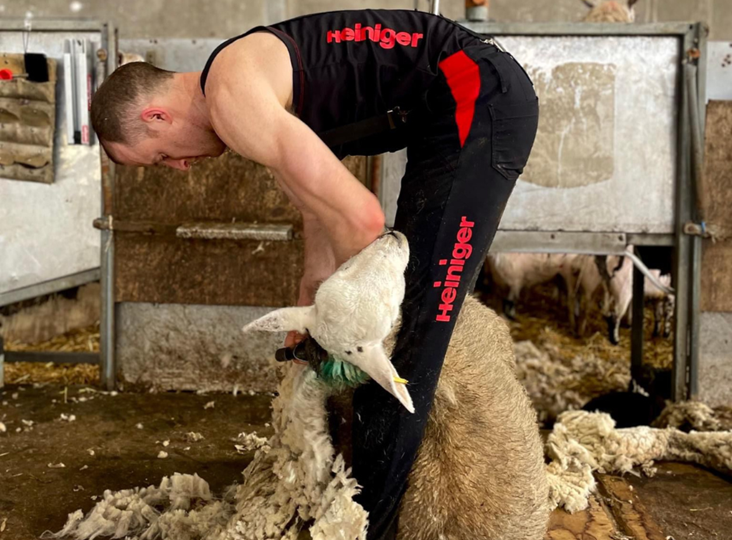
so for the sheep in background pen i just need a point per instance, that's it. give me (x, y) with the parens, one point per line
(583, 283)
(663, 304)
(516, 272)
(610, 11)
(127, 58)
(618, 293)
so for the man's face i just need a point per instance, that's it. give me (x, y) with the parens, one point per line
(173, 148)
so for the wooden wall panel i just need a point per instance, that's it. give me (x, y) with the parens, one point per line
(161, 268)
(717, 257)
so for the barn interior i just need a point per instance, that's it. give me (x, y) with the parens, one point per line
(123, 290)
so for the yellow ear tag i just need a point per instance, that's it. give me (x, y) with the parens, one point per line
(400, 380)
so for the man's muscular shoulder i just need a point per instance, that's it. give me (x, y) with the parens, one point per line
(259, 58)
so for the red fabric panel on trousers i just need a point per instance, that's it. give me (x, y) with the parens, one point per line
(463, 78)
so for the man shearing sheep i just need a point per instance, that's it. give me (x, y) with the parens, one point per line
(300, 95)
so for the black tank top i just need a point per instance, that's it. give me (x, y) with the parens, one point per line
(350, 66)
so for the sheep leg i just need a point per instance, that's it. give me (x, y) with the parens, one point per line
(583, 305)
(668, 312)
(572, 302)
(613, 329)
(657, 316)
(509, 304)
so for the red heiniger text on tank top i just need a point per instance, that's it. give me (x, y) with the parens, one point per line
(385, 37)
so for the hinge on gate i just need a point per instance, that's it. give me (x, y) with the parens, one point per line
(693, 54)
(700, 229)
(103, 223)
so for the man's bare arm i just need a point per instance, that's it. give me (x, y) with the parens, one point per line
(320, 261)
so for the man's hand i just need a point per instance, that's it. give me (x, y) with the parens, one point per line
(306, 298)
(293, 338)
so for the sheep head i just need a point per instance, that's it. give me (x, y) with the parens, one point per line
(610, 11)
(355, 310)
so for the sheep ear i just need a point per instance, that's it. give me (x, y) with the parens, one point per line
(373, 360)
(590, 3)
(284, 320)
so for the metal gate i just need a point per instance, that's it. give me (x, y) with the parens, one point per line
(617, 157)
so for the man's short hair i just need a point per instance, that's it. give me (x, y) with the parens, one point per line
(113, 114)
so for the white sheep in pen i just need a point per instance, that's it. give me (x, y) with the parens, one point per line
(618, 294)
(610, 11)
(480, 471)
(516, 272)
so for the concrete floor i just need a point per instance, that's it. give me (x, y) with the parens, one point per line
(682, 502)
(35, 498)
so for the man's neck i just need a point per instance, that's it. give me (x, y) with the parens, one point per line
(188, 92)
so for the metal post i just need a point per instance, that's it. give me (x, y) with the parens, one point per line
(697, 139)
(636, 353)
(52, 356)
(436, 7)
(694, 317)
(697, 106)
(106, 337)
(683, 252)
(697, 159)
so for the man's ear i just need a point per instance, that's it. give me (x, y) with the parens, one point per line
(155, 114)
(284, 320)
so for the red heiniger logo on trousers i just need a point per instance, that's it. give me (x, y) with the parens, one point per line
(386, 37)
(461, 252)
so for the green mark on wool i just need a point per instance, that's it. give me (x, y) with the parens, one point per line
(339, 374)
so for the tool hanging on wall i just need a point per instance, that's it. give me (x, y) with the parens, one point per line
(36, 69)
(36, 64)
(78, 78)
(27, 88)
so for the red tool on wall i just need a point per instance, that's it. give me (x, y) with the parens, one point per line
(36, 69)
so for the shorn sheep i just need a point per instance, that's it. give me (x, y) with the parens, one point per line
(462, 484)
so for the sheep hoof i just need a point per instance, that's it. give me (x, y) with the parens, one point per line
(509, 309)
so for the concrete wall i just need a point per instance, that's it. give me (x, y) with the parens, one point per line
(715, 359)
(224, 18)
(193, 347)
